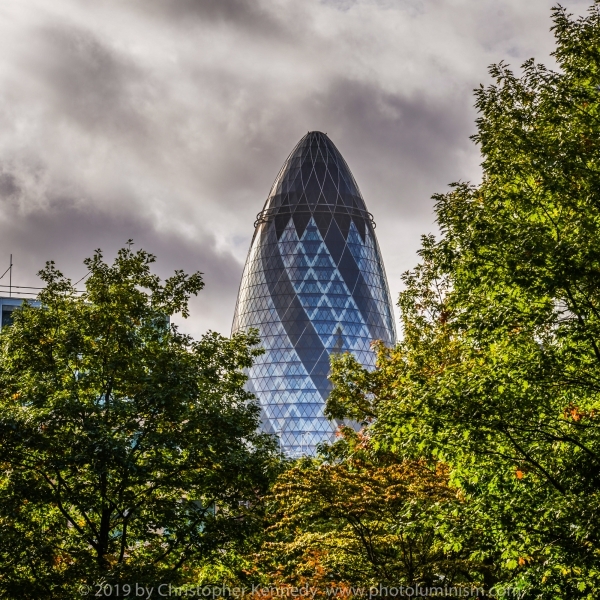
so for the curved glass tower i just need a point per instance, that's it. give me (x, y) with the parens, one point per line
(313, 284)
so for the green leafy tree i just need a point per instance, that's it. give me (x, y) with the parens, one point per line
(352, 518)
(498, 370)
(129, 452)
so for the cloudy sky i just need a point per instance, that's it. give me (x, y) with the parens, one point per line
(166, 121)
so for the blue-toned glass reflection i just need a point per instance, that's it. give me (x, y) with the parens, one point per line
(313, 284)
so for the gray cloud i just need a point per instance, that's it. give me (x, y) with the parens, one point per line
(167, 121)
(8, 186)
(250, 15)
(86, 80)
(68, 231)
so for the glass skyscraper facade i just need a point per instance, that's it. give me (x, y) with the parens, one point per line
(313, 284)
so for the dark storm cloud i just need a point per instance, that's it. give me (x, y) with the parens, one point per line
(87, 82)
(86, 229)
(85, 79)
(8, 185)
(250, 15)
(389, 138)
(166, 121)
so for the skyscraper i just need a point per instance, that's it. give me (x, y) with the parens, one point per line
(313, 284)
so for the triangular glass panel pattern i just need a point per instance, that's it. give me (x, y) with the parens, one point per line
(314, 284)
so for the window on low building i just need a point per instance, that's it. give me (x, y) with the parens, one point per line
(7, 318)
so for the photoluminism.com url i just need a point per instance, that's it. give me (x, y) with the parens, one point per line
(256, 592)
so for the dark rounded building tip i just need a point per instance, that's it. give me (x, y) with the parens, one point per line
(313, 285)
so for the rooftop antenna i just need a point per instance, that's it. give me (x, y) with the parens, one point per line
(10, 278)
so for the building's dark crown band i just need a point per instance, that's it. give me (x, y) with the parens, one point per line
(268, 214)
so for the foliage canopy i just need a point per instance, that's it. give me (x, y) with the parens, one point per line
(353, 518)
(128, 450)
(498, 371)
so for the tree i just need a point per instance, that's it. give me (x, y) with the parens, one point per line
(129, 451)
(352, 518)
(498, 371)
